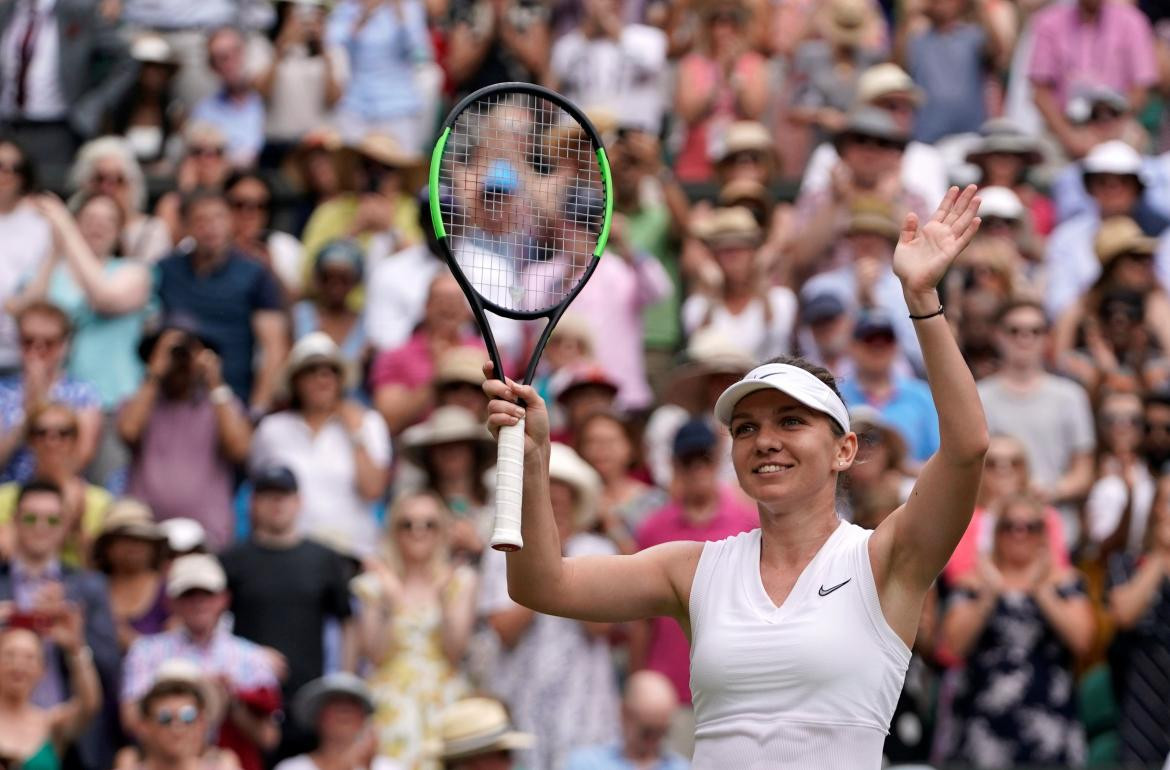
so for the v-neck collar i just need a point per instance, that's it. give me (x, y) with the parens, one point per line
(754, 581)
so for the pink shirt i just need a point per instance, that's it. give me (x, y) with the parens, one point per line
(1116, 51)
(612, 304)
(410, 365)
(670, 652)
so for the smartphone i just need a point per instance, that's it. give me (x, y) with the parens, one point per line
(37, 622)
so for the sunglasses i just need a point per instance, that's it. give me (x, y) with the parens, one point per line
(197, 151)
(863, 140)
(46, 431)
(1117, 418)
(29, 342)
(1018, 332)
(31, 520)
(248, 204)
(1034, 527)
(184, 715)
(1012, 462)
(745, 156)
(116, 180)
(406, 525)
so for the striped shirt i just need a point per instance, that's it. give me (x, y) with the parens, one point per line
(239, 661)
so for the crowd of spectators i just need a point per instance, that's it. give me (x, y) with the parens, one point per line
(245, 483)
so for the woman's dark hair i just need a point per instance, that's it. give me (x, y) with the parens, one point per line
(627, 427)
(483, 461)
(243, 175)
(24, 169)
(822, 374)
(36, 486)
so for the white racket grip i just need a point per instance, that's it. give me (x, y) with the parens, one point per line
(509, 488)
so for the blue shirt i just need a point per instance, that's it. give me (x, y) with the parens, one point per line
(948, 66)
(224, 302)
(910, 409)
(73, 393)
(610, 757)
(382, 55)
(242, 123)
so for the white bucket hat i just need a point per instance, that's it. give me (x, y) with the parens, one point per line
(566, 466)
(790, 380)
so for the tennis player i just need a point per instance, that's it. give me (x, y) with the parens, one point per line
(800, 630)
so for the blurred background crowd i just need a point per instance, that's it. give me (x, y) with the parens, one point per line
(246, 486)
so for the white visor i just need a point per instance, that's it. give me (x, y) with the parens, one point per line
(788, 379)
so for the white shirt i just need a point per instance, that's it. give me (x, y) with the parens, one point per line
(923, 171)
(297, 102)
(1106, 505)
(396, 290)
(331, 510)
(749, 329)
(810, 684)
(305, 762)
(43, 97)
(624, 76)
(175, 15)
(25, 242)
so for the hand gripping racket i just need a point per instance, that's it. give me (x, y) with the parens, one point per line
(521, 203)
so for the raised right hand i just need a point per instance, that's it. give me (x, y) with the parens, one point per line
(503, 409)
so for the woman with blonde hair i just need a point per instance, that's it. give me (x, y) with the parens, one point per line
(107, 166)
(418, 609)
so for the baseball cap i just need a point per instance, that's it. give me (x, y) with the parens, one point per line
(1113, 157)
(274, 478)
(694, 437)
(823, 306)
(501, 177)
(195, 571)
(800, 384)
(1000, 202)
(873, 321)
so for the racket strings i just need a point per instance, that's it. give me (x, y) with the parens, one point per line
(527, 200)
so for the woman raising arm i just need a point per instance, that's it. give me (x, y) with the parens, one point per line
(771, 652)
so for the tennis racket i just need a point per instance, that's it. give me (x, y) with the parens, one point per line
(521, 203)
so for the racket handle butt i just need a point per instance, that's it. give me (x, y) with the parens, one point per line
(509, 488)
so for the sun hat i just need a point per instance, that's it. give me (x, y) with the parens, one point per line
(871, 215)
(446, 425)
(460, 365)
(153, 49)
(743, 136)
(127, 517)
(871, 122)
(316, 348)
(1113, 157)
(475, 726)
(1004, 136)
(790, 380)
(567, 466)
(1121, 235)
(577, 327)
(1082, 101)
(183, 534)
(845, 22)
(728, 226)
(309, 700)
(1000, 202)
(883, 79)
(195, 571)
(744, 192)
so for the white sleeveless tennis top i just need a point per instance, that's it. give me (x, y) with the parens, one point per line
(809, 685)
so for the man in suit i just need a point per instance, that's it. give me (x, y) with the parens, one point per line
(34, 582)
(62, 67)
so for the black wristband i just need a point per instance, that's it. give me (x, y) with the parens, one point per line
(928, 315)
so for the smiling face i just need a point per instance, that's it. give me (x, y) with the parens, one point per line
(785, 453)
(21, 663)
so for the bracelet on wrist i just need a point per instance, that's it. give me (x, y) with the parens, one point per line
(927, 315)
(220, 395)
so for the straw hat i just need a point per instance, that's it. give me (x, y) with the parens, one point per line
(309, 700)
(384, 149)
(1121, 235)
(577, 327)
(131, 518)
(743, 136)
(734, 225)
(745, 192)
(475, 726)
(845, 22)
(874, 216)
(316, 348)
(326, 140)
(884, 79)
(709, 352)
(872, 122)
(463, 364)
(446, 425)
(566, 465)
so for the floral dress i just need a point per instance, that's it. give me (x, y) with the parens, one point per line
(416, 682)
(1016, 699)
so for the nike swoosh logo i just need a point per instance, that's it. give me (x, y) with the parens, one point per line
(826, 591)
